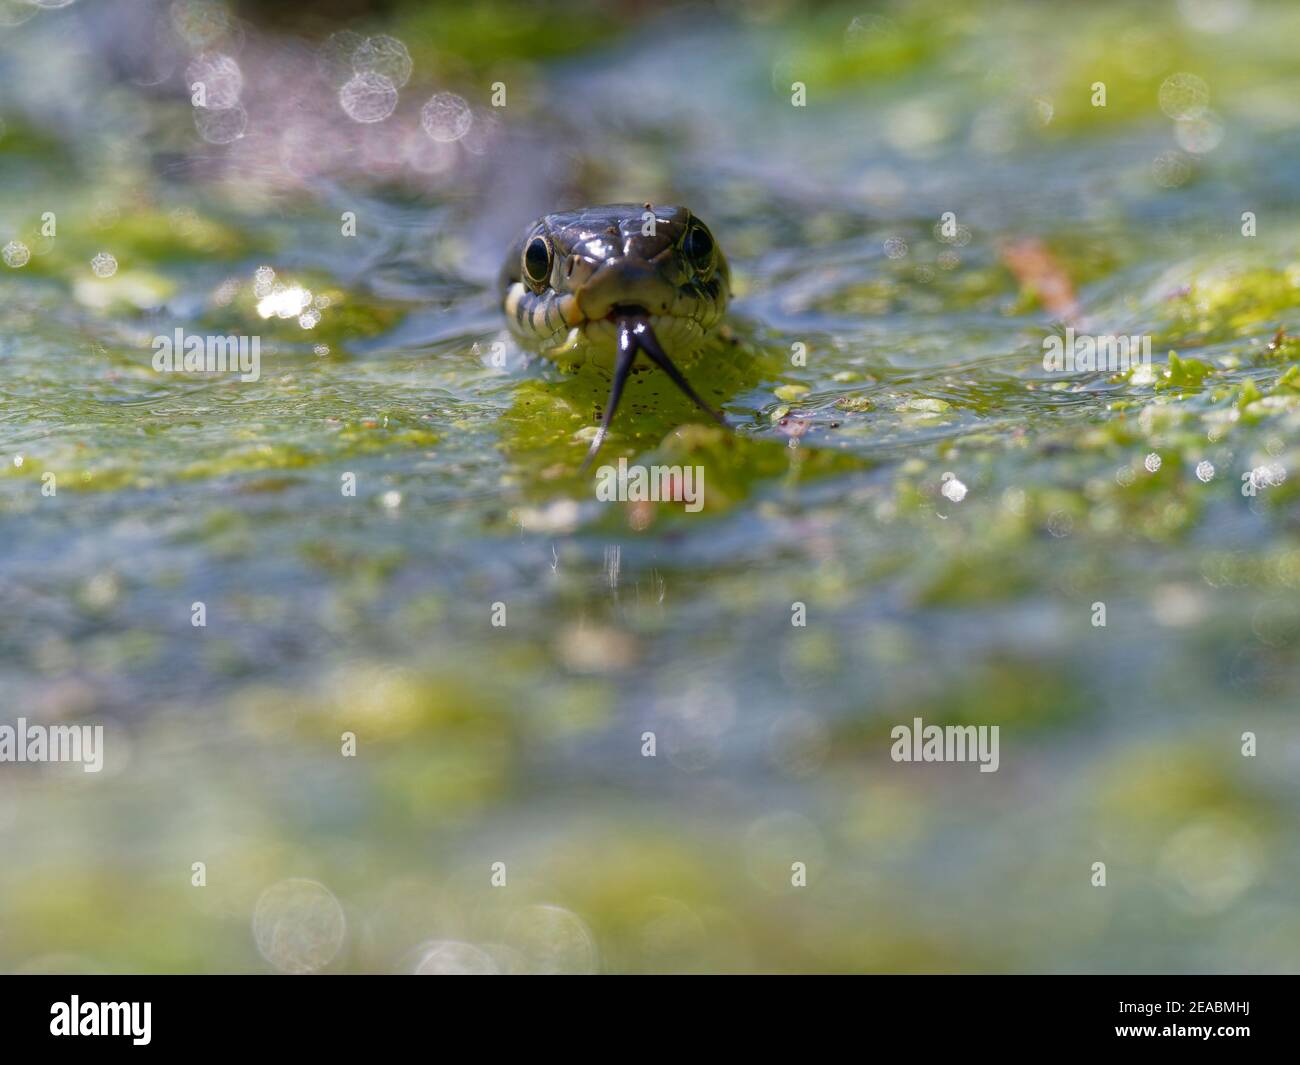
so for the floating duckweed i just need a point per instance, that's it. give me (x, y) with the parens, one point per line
(1181, 372)
(1142, 375)
(928, 405)
(854, 404)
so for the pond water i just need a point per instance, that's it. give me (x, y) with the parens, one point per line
(911, 517)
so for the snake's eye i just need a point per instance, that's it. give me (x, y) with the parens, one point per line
(537, 261)
(698, 248)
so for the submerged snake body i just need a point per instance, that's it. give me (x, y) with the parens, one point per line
(571, 276)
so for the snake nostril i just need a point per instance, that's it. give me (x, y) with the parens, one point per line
(569, 265)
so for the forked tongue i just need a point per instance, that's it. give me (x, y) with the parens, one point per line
(635, 334)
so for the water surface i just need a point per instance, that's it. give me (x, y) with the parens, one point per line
(372, 613)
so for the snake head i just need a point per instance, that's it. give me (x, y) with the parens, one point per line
(606, 283)
(570, 276)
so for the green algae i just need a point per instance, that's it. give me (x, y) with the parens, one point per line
(1166, 493)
